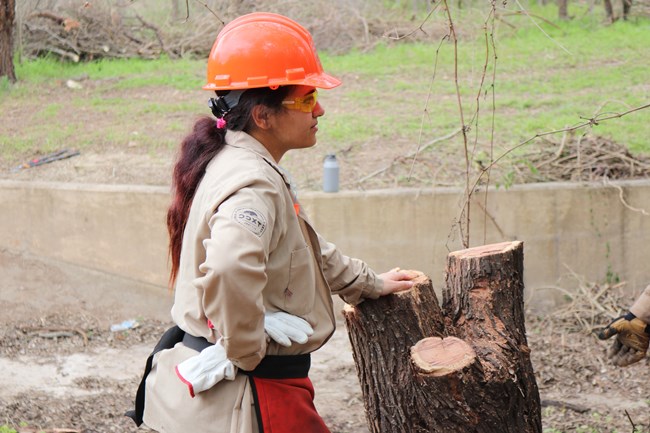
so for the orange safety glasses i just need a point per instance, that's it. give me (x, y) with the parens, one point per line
(306, 103)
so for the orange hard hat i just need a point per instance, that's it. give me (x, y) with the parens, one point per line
(265, 50)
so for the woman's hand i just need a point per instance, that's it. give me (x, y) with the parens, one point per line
(396, 280)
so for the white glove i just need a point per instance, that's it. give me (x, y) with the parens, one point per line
(206, 369)
(283, 327)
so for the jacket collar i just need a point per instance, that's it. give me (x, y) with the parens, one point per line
(245, 141)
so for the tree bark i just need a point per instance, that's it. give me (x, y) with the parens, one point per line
(464, 367)
(563, 12)
(7, 20)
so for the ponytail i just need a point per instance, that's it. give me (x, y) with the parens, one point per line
(196, 151)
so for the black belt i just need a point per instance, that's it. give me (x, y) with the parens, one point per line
(271, 366)
(196, 343)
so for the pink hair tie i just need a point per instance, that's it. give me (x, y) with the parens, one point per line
(221, 123)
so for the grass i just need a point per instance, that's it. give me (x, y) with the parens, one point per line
(539, 86)
(183, 74)
(544, 81)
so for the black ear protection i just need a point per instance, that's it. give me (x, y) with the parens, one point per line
(221, 105)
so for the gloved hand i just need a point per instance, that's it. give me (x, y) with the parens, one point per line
(206, 369)
(632, 337)
(283, 327)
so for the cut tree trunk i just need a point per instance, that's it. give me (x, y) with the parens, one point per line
(464, 367)
(7, 20)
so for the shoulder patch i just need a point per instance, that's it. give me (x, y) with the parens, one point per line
(252, 219)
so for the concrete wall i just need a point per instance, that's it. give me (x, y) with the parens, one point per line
(583, 229)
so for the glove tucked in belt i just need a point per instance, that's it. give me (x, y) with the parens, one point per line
(206, 369)
(284, 328)
(211, 365)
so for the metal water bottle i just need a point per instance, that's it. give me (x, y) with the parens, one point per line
(330, 173)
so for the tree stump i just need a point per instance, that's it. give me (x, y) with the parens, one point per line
(461, 368)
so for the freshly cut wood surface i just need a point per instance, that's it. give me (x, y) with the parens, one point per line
(441, 356)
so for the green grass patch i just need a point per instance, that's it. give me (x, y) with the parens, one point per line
(182, 74)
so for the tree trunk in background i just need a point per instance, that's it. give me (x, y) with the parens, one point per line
(462, 368)
(7, 19)
(609, 11)
(563, 13)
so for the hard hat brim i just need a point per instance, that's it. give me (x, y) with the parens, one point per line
(321, 81)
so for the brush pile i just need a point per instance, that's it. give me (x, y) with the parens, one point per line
(581, 159)
(95, 31)
(590, 306)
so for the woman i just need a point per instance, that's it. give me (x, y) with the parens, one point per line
(253, 279)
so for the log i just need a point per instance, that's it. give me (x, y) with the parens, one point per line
(463, 367)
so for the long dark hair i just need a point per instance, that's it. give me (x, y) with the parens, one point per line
(197, 149)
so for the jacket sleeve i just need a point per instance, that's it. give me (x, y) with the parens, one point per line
(641, 307)
(234, 271)
(350, 278)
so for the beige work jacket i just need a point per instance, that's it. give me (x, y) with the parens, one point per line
(244, 252)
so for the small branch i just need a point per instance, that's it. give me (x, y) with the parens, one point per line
(57, 332)
(631, 422)
(207, 7)
(156, 31)
(539, 17)
(364, 23)
(62, 53)
(399, 37)
(426, 104)
(620, 196)
(494, 221)
(410, 155)
(49, 15)
(463, 127)
(541, 29)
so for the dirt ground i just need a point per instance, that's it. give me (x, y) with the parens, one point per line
(65, 369)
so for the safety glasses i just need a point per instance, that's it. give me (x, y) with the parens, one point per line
(305, 103)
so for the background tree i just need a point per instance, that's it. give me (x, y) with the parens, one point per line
(7, 19)
(562, 9)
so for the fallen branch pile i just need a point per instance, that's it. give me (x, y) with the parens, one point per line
(95, 32)
(581, 158)
(591, 306)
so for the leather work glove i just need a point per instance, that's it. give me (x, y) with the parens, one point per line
(284, 327)
(206, 369)
(632, 337)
